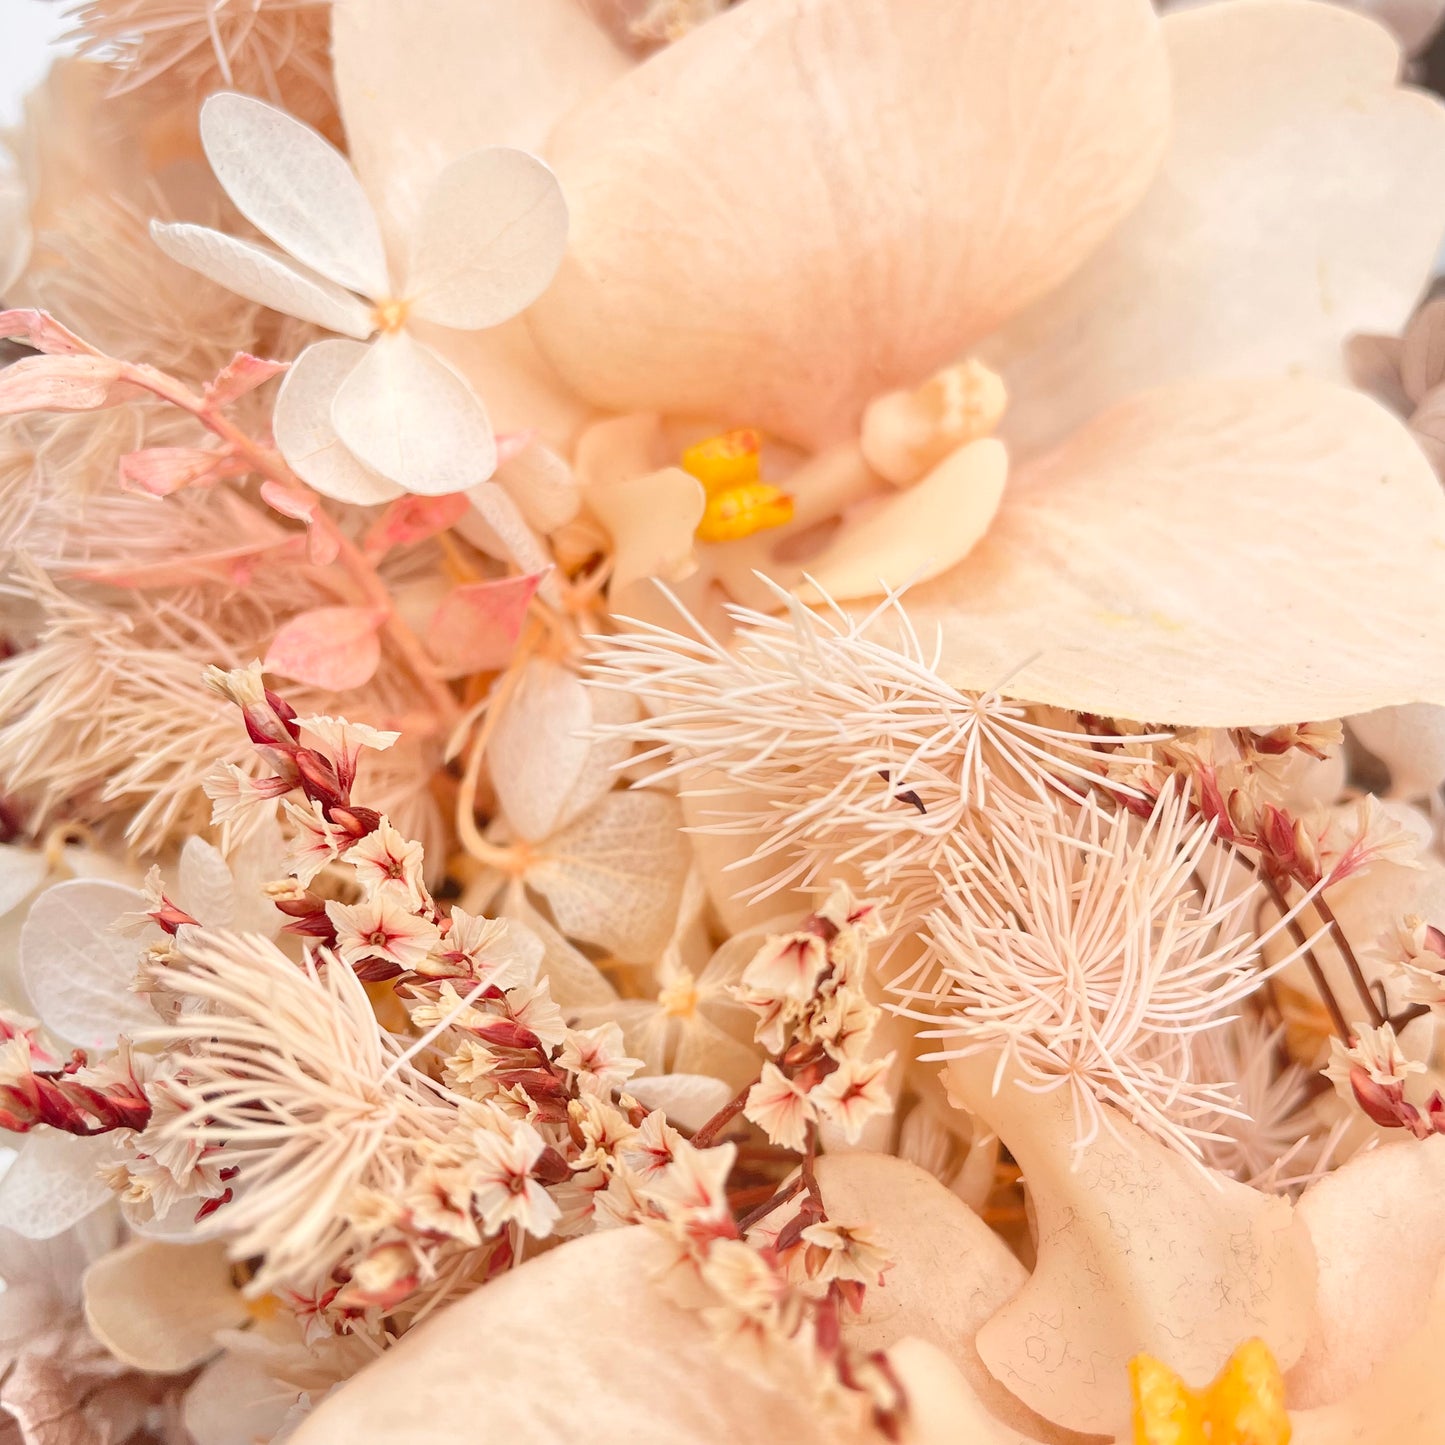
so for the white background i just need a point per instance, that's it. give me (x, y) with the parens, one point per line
(27, 29)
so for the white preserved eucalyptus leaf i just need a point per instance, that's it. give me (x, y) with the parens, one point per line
(590, 1313)
(295, 187)
(306, 435)
(77, 969)
(54, 1183)
(406, 414)
(157, 1307)
(1140, 1252)
(489, 240)
(615, 876)
(265, 276)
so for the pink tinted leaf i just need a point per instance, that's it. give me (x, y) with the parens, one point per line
(42, 331)
(299, 509)
(61, 383)
(332, 647)
(159, 471)
(412, 519)
(323, 546)
(477, 626)
(242, 374)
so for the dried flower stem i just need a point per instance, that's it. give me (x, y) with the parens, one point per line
(270, 465)
(1307, 953)
(724, 1116)
(1357, 975)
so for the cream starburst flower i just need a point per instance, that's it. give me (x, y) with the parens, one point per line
(1089, 951)
(862, 753)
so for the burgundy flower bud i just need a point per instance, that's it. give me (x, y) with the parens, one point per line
(550, 1167)
(507, 1034)
(358, 822)
(318, 779)
(1383, 1103)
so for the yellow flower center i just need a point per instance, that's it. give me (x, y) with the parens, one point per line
(679, 999)
(1243, 1405)
(739, 502)
(390, 316)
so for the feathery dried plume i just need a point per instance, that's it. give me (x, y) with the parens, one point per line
(1091, 950)
(278, 49)
(864, 754)
(283, 1069)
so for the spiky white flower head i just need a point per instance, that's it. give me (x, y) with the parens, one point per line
(1089, 950)
(863, 753)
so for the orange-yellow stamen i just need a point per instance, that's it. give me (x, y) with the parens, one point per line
(390, 316)
(739, 502)
(1243, 1405)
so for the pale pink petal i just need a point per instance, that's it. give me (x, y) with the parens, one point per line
(1410, 741)
(422, 85)
(53, 1183)
(476, 628)
(61, 383)
(240, 376)
(804, 204)
(265, 276)
(488, 241)
(652, 521)
(406, 414)
(306, 435)
(77, 968)
(542, 485)
(331, 647)
(943, 1408)
(22, 871)
(297, 188)
(1139, 1252)
(688, 1100)
(1217, 553)
(647, 1371)
(918, 533)
(1302, 198)
(235, 1401)
(157, 1307)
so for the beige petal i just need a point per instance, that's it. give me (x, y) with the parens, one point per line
(1379, 1233)
(919, 533)
(235, 1402)
(421, 85)
(1410, 741)
(590, 1314)
(950, 1274)
(1404, 1400)
(1302, 198)
(652, 521)
(942, 1406)
(804, 204)
(157, 1306)
(1139, 1252)
(1217, 553)
(615, 876)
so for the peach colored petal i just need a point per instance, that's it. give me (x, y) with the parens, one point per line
(420, 85)
(1379, 1233)
(158, 1306)
(1213, 552)
(918, 533)
(1302, 198)
(641, 1370)
(651, 520)
(1410, 741)
(803, 203)
(942, 1406)
(1139, 1252)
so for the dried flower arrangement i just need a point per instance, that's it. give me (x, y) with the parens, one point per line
(723, 720)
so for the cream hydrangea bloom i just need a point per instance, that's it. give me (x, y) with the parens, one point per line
(359, 422)
(824, 202)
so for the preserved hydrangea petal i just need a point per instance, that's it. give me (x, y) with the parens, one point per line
(615, 876)
(77, 968)
(1215, 553)
(335, 648)
(265, 276)
(158, 1306)
(53, 1183)
(405, 413)
(306, 435)
(823, 202)
(297, 188)
(489, 239)
(1302, 198)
